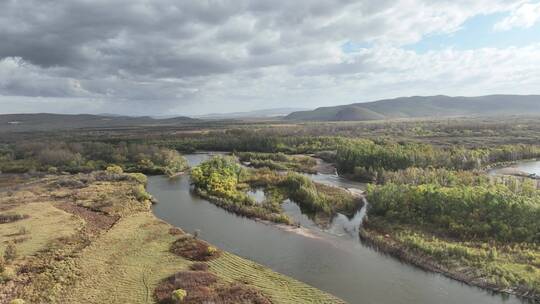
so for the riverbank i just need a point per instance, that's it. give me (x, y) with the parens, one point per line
(387, 242)
(92, 238)
(252, 211)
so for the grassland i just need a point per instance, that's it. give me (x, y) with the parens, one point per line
(91, 238)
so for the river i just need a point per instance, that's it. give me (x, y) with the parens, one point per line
(529, 167)
(331, 259)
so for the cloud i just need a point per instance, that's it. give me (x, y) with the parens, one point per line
(185, 56)
(523, 16)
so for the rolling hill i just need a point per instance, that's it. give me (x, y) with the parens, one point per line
(425, 107)
(48, 121)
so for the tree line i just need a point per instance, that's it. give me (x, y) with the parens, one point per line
(461, 205)
(367, 160)
(89, 156)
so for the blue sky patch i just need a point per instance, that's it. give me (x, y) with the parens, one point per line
(479, 32)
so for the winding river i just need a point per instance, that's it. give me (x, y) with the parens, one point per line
(330, 259)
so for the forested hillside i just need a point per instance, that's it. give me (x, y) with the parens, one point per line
(429, 106)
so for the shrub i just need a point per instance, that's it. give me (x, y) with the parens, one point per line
(114, 169)
(139, 177)
(492, 253)
(17, 301)
(212, 250)
(140, 193)
(179, 295)
(52, 170)
(7, 275)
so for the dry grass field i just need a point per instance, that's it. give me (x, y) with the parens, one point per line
(91, 238)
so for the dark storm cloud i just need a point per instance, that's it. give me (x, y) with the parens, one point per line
(158, 39)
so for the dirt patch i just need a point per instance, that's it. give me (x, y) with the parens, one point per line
(204, 287)
(95, 221)
(194, 249)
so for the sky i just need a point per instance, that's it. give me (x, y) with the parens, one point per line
(191, 57)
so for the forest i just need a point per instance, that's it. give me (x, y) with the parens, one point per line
(482, 229)
(55, 157)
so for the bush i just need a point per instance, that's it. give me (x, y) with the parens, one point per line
(139, 177)
(304, 192)
(219, 176)
(179, 295)
(7, 275)
(140, 193)
(114, 169)
(212, 250)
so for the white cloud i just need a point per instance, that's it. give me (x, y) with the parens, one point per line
(190, 56)
(523, 16)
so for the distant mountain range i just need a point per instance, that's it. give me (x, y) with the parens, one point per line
(425, 107)
(403, 107)
(266, 113)
(47, 121)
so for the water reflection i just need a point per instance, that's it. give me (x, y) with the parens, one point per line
(257, 195)
(340, 225)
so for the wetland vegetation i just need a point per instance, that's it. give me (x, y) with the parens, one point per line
(432, 202)
(225, 182)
